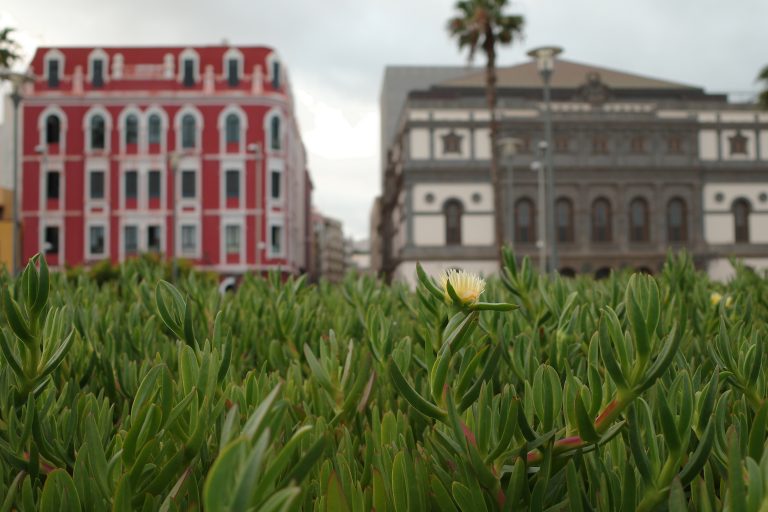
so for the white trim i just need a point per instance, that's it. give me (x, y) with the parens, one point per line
(188, 164)
(54, 223)
(160, 111)
(93, 111)
(278, 222)
(231, 220)
(121, 120)
(232, 53)
(271, 60)
(222, 125)
(193, 222)
(56, 111)
(98, 54)
(53, 54)
(177, 124)
(59, 169)
(274, 112)
(90, 256)
(276, 164)
(90, 202)
(189, 53)
(240, 168)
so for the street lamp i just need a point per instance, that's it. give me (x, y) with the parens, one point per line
(255, 148)
(173, 162)
(545, 60)
(541, 243)
(509, 147)
(17, 81)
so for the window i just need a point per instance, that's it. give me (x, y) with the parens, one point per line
(154, 184)
(232, 241)
(600, 145)
(232, 129)
(276, 75)
(97, 80)
(276, 239)
(452, 143)
(96, 185)
(738, 144)
(274, 184)
(232, 185)
(96, 240)
(131, 239)
(637, 144)
(188, 185)
(131, 129)
(275, 135)
(677, 228)
(601, 221)
(53, 73)
(741, 208)
(525, 221)
(153, 238)
(131, 184)
(453, 210)
(638, 220)
(562, 144)
(188, 66)
(52, 185)
(674, 145)
(188, 239)
(188, 130)
(233, 77)
(97, 132)
(564, 217)
(51, 242)
(52, 129)
(155, 129)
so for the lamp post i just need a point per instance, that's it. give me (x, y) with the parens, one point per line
(17, 81)
(509, 146)
(541, 243)
(173, 161)
(255, 148)
(545, 60)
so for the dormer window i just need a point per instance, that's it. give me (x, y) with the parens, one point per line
(276, 75)
(53, 73)
(233, 72)
(188, 67)
(97, 80)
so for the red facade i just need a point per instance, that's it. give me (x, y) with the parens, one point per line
(119, 142)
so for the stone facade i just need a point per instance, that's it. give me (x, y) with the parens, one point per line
(642, 167)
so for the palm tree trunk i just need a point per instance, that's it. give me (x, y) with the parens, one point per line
(490, 93)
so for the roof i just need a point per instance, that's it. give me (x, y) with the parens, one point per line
(567, 75)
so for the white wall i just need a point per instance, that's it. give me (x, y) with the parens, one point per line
(444, 191)
(482, 144)
(477, 229)
(429, 230)
(438, 135)
(722, 270)
(718, 219)
(419, 143)
(708, 144)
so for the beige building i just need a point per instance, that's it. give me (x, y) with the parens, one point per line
(329, 248)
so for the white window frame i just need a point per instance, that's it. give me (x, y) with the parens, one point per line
(274, 112)
(100, 224)
(189, 109)
(141, 135)
(193, 223)
(222, 124)
(281, 224)
(88, 196)
(57, 55)
(273, 58)
(53, 223)
(53, 110)
(189, 53)
(232, 54)
(232, 221)
(92, 112)
(156, 110)
(98, 54)
(158, 222)
(122, 248)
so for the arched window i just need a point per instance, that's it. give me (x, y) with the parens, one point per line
(276, 74)
(677, 226)
(638, 220)
(52, 129)
(525, 221)
(155, 129)
(233, 129)
(97, 132)
(453, 209)
(131, 129)
(601, 220)
(188, 129)
(275, 133)
(564, 219)
(741, 209)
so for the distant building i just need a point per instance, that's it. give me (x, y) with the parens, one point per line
(329, 248)
(104, 129)
(359, 255)
(6, 228)
(642, 166)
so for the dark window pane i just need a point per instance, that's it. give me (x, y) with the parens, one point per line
(96, 236)
(97, 184)
(276, 75)
(232, 240)
(233, 72)
(51, 240)
(98, 73)
(638, 221)
(275, 184)
(52, 185)
(131, 185)
(131, 129)
(155, 129)
(232, 129)
(188, 185)
(564, 216)
(275, 136)
(275, 236)
(153, 238)
(188, 129)
(676, 221)
(97, 132)
(188, 239)
(601, 221)
(741, 221)
(52, 130)
(189, 72)
(53, 73)
(131, 239)
(232, 184)
(525, 221)
(154, 184)
(453, 210)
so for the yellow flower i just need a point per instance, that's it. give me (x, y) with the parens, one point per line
(715, 298)
(468, 286)
(728, 301)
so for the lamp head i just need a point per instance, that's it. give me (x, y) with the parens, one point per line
(545, 57)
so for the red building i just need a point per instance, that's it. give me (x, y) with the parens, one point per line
(119, 142)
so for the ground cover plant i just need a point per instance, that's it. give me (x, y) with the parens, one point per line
(525, 392)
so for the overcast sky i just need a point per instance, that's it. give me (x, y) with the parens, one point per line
(336, 51)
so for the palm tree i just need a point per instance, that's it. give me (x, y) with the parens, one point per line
(483, 24)
(762, 99)
(8, 48)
